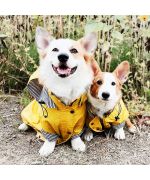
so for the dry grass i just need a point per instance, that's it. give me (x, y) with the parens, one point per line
(119, 38)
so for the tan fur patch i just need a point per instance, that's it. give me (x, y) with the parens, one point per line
(94, 90)
(81, 52)
(95, 86)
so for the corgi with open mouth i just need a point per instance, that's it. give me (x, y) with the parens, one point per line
(59, 88)
(106, 109)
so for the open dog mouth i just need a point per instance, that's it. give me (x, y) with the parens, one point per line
(63, 70)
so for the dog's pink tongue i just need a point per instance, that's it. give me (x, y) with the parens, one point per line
(64, 71)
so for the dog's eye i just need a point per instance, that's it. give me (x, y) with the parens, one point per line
(55, 50)
(74, 51)
(113, 83)
(99, 82)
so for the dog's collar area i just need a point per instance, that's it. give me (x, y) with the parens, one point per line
(108, 113)
(77, 102)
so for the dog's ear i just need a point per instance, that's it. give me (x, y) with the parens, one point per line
(42, 39)
(122, 71)
(89, 42)
(93, 63)
(95, 67)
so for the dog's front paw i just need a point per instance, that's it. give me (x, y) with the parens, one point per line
(132, 129)
(78, 144)
(119, 134)
(47, 148)
(23, 127)
(88, 136)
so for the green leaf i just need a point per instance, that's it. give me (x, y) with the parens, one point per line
(145, 32)
(106, 27)
(128, 53)
(93, 27)
(97, 26)
(105, 46)
(120, 18)
(135, 45)
(117, 35)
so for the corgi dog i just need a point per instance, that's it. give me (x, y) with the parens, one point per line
(65, 72)
(106, 108)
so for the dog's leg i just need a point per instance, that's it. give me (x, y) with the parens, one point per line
(23, 127)
(47, 148)
(88, 135)
(119, 134)
(78, 145)
(131, 127)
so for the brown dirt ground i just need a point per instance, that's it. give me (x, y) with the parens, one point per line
(22, 147)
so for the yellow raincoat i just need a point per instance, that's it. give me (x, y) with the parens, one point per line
(114, 118)
(64, 121)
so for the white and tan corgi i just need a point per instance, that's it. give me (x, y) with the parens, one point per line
(106, 107)
(65, 72)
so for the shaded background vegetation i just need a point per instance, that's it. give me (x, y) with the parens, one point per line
(119, 38)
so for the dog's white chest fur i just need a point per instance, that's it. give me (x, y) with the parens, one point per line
(67, 92)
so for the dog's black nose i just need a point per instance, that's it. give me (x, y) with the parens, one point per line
(63, 58)
(105, 95)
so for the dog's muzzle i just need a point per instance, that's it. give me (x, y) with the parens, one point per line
(63, 70)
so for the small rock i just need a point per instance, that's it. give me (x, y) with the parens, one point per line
(16, 109)
(36, 163)
(147, 122)
(14, 136)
